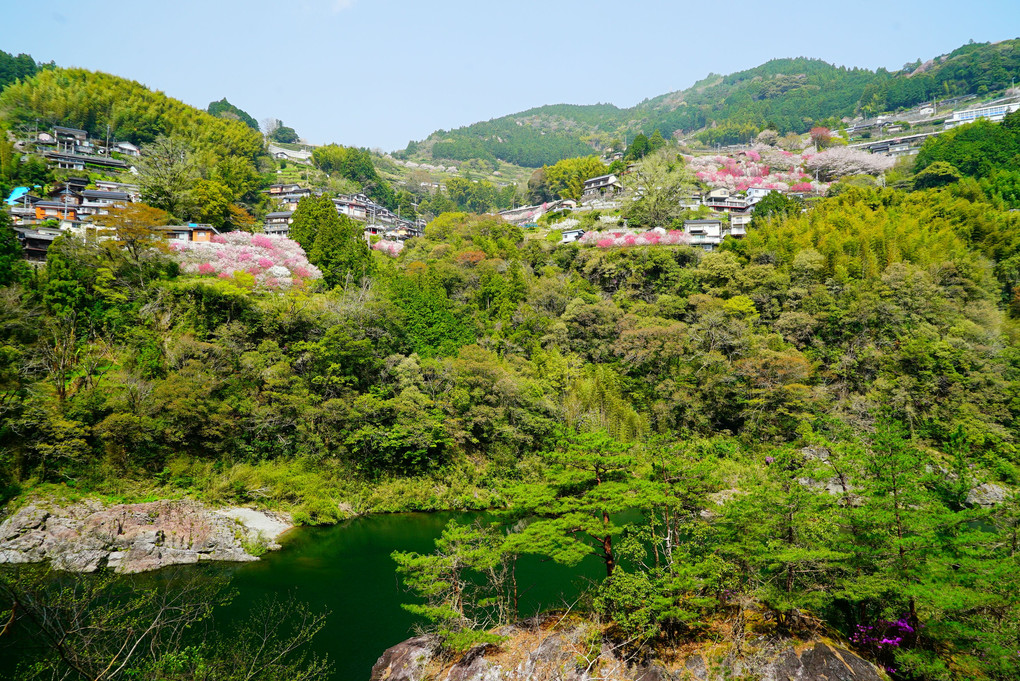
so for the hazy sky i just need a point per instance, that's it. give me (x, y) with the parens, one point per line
(378, 73)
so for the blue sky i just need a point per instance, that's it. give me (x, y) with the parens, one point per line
(378, 73)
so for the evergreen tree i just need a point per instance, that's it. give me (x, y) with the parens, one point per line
(311, 213)
(340, 250)
(12, 263)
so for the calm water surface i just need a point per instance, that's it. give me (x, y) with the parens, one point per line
(347, 569)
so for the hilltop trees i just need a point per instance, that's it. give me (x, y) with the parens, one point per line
(224, 109)
(16, 68)
(355, 165)
(91, 100)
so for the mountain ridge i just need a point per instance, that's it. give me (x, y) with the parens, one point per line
(788, 94)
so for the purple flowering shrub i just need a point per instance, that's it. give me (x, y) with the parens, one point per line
(883, 638)
(273, 261)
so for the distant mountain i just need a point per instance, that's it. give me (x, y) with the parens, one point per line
(790, 95)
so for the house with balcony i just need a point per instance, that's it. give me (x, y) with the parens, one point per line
(601, 186)
(278, 223)
(69, 139)
(55, 210)
(705, 234)
(721, 200)
(739, 224)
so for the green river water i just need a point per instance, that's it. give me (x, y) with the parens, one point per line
(347, 570)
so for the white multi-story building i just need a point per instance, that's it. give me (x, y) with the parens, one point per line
(992, 113)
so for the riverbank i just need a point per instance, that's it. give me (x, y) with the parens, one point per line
(128, 538)
(572, 649)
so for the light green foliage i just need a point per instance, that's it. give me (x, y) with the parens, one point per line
(566, 178)
(655, 189)
(589, 481)
(468, 584)
(91, 100)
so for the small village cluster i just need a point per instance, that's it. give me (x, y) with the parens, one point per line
(736, 183)
(729, 215)
(379, 220)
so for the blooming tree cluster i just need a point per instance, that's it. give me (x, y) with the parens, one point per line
(842, 161)
(274, 261)
(389, 247)
(626, 238)
(763, 167)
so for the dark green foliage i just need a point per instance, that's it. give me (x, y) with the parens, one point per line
(284, 135)
(13, 69)
(225, 109)
(430, 324)
(12, 265)
(311, 212)
(340, 251)
(774, 206)
(637, 149)
(938, 174)
(356, 165)
(975, 149)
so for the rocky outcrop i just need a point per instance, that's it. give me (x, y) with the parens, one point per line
(988, 495)
(540, 653)
(129, 538)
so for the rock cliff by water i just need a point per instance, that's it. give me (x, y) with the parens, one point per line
(544, 651)
(129, 538)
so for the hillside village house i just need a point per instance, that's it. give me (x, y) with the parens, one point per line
(283, 188)
(600, 186)
(58, 210)
(70, 140)
(705, 234)
(128, 149)
(278, 223)
(739, 222)
(189, 232)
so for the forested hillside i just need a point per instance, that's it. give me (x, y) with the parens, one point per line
(813, 430)
(790, 95)
(873, 329)
(92, 101)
